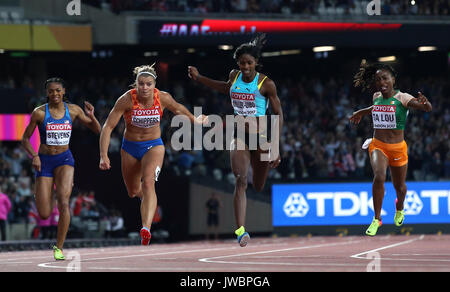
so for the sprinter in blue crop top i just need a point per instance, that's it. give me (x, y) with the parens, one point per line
(54, 163)
(251, 93)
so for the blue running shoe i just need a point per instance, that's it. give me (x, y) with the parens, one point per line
(243, 239)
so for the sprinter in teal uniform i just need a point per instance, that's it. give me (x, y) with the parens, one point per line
(250, 92)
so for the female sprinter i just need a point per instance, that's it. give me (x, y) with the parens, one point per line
(258, 91)
(388, 147)
(142, 150)
(54, 164)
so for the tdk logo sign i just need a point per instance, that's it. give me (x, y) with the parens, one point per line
(296, 205)
(413, 204)
(352, 204)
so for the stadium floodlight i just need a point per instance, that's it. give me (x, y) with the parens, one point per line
(225, 47)
(323, 49)
(280, 53)
(387, 59)
(290, 52)
(150, 54)
(271, 54)
(426, 48)
(2, 51)
(191, 50)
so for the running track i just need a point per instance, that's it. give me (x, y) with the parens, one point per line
(385, 253)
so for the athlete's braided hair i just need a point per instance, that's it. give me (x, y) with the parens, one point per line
(253, 48)
(365, 78)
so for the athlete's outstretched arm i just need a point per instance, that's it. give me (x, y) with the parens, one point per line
(421, 103)
(220, 86)
(122, 104)
(176, 108)
(87, 117)
(36, 116)
(356, 117)
(270, 91)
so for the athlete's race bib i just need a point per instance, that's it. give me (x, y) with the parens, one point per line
(58, 134)
(145, 118)
(243, 103)
(383, 117)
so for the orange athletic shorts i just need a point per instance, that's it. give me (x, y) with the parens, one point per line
(396, 153)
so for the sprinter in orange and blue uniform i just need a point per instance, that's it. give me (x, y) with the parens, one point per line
(143, 150)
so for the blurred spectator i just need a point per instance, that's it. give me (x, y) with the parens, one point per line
(315, 7)
(44, 228)
(212, 216)
(5, 207)
(114, 225)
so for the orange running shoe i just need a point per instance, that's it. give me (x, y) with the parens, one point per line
(145, 236)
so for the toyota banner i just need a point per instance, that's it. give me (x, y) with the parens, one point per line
(351, 204)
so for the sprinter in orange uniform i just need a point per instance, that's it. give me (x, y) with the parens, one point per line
(387, 148)
(142, 150)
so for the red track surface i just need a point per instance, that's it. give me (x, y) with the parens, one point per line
(318, 254)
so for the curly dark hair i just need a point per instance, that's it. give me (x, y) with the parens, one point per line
(365, 78)
(253, 48)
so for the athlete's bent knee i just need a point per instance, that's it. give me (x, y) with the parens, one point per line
(63, 207)
(379, 177)
(241, 181)
(401, 188)
(133, 192)
(44, 215)
(259, 186)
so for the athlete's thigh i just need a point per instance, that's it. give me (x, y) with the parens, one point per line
(152, 162)
(64, 180)
(379, 162)
(240, 160)
(44, 195)
(259, 166)
(398, 174)
(131, 171)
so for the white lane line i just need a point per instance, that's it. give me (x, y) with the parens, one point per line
(215, 259)
(83, 252)
(358, 255)
(50, 264)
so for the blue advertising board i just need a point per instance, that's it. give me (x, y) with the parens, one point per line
(351, 204)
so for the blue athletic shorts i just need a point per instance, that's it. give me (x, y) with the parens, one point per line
(50, 162)
(138, 149)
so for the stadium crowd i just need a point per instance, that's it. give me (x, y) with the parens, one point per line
(311, 7)
(317, 141)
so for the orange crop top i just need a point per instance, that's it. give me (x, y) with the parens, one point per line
(144, 117)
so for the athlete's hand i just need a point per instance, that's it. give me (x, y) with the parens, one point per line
(193, 72)
(202, 120)
(36, 163)
(355, 118)
(275, 163)
(105, 164)
(421, 99)
(88, 109)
